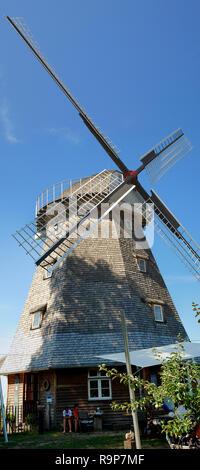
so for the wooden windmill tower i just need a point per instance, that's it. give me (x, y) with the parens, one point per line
(85, 275)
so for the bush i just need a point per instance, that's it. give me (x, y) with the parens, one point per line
(179, 381)
(10, 418)
(31, 419)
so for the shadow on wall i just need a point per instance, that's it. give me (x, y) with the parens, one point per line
(83, 313)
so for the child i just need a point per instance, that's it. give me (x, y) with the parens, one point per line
(76, 418)
(69, 413)
(64, 420)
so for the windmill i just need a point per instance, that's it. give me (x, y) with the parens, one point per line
(48, 251)
(72, 317)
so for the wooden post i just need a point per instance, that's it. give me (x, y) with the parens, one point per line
(98, 422)
(3, 413)
(41, 418)
(129, 372)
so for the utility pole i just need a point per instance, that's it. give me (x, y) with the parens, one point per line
(129, 372)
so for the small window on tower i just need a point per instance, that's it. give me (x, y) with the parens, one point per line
(36, 320)
(158, 312)
(48, 270)
(142, 265)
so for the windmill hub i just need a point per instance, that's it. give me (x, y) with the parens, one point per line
(134, 175)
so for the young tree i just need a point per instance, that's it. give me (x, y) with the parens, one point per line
(179, 382)
(196, 308)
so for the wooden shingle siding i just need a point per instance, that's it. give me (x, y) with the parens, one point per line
(11, 390)
(84, 298)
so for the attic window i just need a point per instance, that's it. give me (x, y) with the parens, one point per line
(142, 265)
(37, 315)
(48, 270)
(36, 320)
(158, 308)
(158, 312)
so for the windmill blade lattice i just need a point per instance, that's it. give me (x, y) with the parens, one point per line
(114, 199)
(165, 155)
(174, 234)
(48, 237)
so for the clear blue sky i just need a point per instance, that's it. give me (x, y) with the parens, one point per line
(135, 67)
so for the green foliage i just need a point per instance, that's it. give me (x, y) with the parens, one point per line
(178, 426)
(10, 418)
(196, 308)
(31, 419)
(179, 381)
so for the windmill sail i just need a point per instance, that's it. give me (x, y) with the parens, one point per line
(49, 238)
(173, 233)
(26, 35)
(53, 233)
(156, 162)
(165, 155)
(114, 199)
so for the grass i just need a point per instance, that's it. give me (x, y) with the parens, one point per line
(57, 440)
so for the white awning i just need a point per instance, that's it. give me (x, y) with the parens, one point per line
(146, 357)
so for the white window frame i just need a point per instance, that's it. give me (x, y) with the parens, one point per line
(145, 265)
(98, 377)
(48, 273)
(38, 324)
(161, 310)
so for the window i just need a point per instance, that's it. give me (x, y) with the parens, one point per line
(48, 270)
(142, 265)
(36, 320)
(99, 386)
(158, 312)
(37, 316)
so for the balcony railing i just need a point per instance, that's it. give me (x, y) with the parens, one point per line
(54, 192)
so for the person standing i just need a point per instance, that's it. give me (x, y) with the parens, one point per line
(69, 413)
(64, 419)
